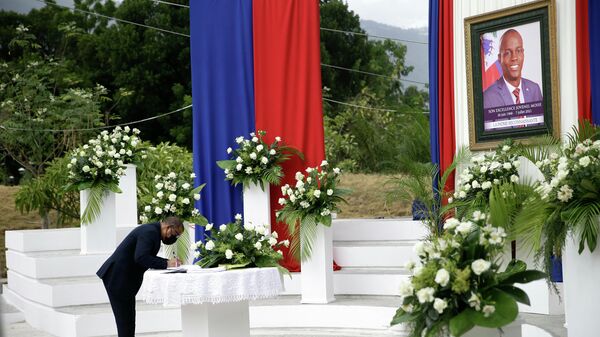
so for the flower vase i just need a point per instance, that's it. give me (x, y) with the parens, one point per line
(99, 236)
(317, 270)
(257, 205)
(581, 279)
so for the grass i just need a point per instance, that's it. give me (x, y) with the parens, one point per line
(367, 200)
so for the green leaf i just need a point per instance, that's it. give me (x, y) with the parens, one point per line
(506, 311)
(525, 276)
(513, 267)
(460, 324)
(226, 164)
(402, 316)
(517, 293)
(93, 208)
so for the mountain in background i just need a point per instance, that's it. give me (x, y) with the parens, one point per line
(416, 54)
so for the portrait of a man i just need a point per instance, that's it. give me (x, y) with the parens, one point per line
(511, 88)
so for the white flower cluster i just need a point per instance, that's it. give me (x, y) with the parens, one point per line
(252, 157)
(174, 196)
(443, 276)
(563, 172)
(486, 171)
(311, 191)
(103, 158)
(235, 243)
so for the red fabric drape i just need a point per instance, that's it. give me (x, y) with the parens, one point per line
(287, 85)
(584, 96)
(446, 88)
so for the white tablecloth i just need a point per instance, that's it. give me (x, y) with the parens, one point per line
(210, 287)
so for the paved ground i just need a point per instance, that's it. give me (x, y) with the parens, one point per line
(552, 325)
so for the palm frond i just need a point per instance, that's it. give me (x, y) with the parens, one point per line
(308, 233)
(94, 204)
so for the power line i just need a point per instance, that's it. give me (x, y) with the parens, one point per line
(113, 18)
(369, 73)
(370, 35)
(100, 127)
(369, 107)
(170, 3)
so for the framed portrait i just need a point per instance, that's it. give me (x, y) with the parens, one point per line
(512, 74)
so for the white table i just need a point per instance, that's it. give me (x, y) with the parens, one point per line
(213, 303)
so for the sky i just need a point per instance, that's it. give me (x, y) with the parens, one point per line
(399, 13)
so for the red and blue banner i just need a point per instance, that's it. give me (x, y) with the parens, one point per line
(255, 66)
(588, 59)
(441, 85)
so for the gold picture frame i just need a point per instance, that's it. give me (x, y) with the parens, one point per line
(512, 74)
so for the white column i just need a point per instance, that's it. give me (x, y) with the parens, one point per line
(127, 200)
(118, 209)
(257, 205)
(100, 235)
(582, 292)
(317, 273)
(215, 320)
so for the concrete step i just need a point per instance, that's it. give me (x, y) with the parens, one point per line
(350, 312)
(373, 253)
(92, 320)
(356, 281)
(378, 229)
(53, 264)
(41, 240)
(59, 292)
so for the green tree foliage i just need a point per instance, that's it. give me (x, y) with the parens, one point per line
(147, 72)
(39, 92)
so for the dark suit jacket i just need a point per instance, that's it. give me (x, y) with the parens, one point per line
(498, 95)
(123, 271)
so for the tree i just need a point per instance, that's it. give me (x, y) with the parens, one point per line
(40, 93)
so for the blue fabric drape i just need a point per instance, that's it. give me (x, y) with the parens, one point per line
(433, 83)
(594, 31)
(222, 97)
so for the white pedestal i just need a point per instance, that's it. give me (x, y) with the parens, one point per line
(100, 235)
(118, 209)
(127, 200)
(215, 320)
(257, 205)
(582, 292)
(317, 272)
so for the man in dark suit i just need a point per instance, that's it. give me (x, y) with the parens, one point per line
(123, 272)
(511, 88)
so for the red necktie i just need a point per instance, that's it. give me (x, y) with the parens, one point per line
(516, 93)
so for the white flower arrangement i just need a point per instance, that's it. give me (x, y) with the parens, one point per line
(571, 186)
(457, 283)
(310, 202)
(173, 195)
(99, 164)
(254, 161)
(239, 246)
(485, 171)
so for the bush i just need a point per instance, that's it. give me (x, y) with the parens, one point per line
(47, 193)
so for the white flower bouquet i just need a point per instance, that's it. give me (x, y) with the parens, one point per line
(99, 164)
(254, 161)
(485, 171)
(174, 195)
(457, 284)
(310, 203)
(572, 187)
(239, 246)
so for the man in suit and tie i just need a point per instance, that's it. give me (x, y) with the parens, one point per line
(123, 272)
(511, 88)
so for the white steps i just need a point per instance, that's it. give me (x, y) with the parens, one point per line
(357, 312)
(56, 288)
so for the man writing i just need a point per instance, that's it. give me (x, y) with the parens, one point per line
(123, 272)
(511, 88)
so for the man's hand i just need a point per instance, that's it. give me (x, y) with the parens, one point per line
(173, 262)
